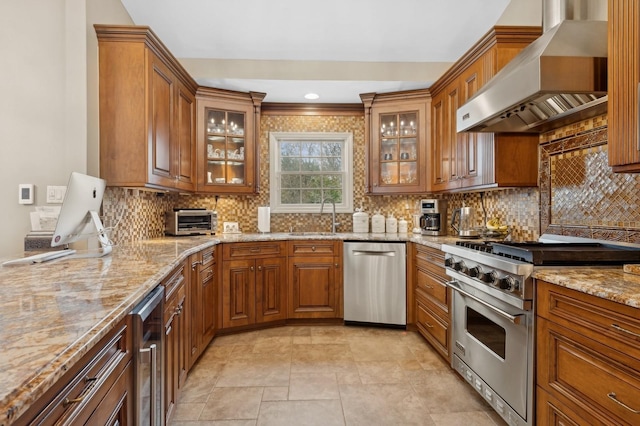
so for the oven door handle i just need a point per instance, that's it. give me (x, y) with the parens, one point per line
(516, 319)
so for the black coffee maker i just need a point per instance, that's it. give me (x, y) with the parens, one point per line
(434, 217)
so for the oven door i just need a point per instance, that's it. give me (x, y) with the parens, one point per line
(495, 340)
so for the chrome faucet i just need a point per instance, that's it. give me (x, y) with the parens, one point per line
(333, 214)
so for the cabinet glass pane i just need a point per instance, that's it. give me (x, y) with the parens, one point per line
(389, 125)
(216, 121)
(408, 125)
(408, 149)
(389, 173)
(408, 172)
(389, 149)
(235, 124)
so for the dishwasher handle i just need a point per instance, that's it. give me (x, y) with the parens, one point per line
(373, 253)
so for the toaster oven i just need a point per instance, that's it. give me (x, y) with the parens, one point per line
(191, 222)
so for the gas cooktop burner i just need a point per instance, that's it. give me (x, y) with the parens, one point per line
(546, 254)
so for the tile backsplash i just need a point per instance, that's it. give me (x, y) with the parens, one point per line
(141, 214)
(578, 193)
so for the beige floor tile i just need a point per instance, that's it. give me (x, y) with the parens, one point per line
(301, 340)
(329, 335)
(383, 405)
(242, 403)
(313, 386)
(254, 372)
(349, 378)
(214, 423)
(475, 418)
(381, 372)
(307, 413)
(188, 411)
(446, 392)
(196, 389)
(275, 393)
(321, 352)
(386, 349)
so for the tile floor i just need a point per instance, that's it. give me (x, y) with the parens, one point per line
(327, 375)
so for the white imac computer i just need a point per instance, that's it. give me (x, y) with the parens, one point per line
(79, 217)
(78, 220)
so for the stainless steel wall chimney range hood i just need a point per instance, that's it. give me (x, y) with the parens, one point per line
(558, 79)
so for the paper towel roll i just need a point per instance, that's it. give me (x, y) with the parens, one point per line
(264, 219)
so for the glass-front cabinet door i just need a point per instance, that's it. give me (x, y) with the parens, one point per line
(399, 148)
(226, 141)
(397, 144)
(225, 146)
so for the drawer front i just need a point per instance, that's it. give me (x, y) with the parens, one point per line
(171, 284)
(207, 258)
(610, 323)
(593, 377)
(432, 327)
(253, 250)
(312, 248)
(87, 388)
(551, 412)
(432, 285)
(206, 274)
(430, 255)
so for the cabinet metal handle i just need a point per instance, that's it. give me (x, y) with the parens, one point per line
(313, 248)
(516, 319)
(196, 263)
(68, 401)
(259, 268)
(255, 250)
(428, 325)
(337, 265)
(624, 330)
(252, 268)
(612, 396)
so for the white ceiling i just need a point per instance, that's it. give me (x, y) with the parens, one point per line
(336, 48)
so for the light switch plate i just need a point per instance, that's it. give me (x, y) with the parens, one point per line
(55, 194)
(25, 193)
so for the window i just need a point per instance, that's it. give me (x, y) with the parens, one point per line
(309, 167)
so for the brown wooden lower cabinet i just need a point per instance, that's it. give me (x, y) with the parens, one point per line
(588, 358)
(432, 297)
(315, 279)
(254, 284)
(202, 298)
(176, 347)
(96, 390)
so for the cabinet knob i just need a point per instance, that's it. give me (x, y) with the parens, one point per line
(259, 268)
(252, 268)
(313, 248)
(375, 183)
(337, 265)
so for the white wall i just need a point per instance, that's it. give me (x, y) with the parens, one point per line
(48, 108)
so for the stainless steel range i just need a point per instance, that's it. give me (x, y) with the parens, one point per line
(493, 318)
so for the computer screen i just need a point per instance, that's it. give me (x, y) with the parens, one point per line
(78, 217)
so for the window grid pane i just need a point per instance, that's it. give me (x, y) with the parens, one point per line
(311, 171)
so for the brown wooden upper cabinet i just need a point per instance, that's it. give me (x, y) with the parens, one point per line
(461, 161)
(624, 85)
(396, 133)
(147, 112)
(228, 128)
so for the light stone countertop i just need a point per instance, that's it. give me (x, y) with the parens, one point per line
(52, 313)
(610, 283)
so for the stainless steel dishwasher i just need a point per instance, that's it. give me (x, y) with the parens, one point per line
(375, 283)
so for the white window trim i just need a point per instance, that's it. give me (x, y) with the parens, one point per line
(274, 160)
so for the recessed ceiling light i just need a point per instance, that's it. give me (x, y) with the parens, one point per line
(311, 96)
